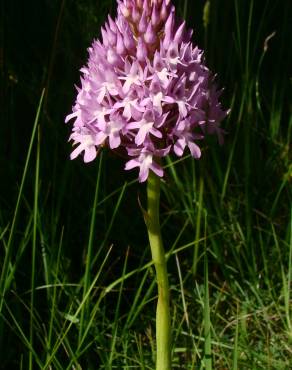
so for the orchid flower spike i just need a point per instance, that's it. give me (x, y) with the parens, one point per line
(145, 90)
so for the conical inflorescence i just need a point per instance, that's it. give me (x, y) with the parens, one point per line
(145, 90)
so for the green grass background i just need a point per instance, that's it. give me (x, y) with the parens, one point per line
(77, 288)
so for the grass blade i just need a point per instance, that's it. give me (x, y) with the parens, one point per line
(86, 282)
(207, 320)
(34, 246)
(3, 280)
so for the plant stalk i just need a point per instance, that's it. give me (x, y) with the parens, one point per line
(163, 327)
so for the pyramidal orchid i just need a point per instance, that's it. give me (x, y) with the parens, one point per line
(145, 90)
(146, 93)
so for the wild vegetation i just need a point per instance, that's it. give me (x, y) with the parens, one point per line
(77, 288)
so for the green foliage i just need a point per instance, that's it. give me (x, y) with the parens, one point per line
(77, 286)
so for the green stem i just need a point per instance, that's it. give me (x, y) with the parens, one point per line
(163, 331)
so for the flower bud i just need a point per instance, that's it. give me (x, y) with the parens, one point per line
(178, 37)
(129, 40)
(120, 48)
(136, 15)
(168, 30)
(126, 11)
(143, 23)
(113, 58)
(155, 16)
(140, 4)
(150, 36)
(164, 11)
(112, 37)
(104, 37)
(141, 50)
(112, 24)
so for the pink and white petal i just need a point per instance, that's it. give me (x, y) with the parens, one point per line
(161, 120)
(194, 149)
(89, 154)
(156, 133)
(182, 108)
(127, 111)
(180, 125)
(72, 115)
(179, 147)
(127, 86)
(144, 167)
(137, 114)
(157, 102)
(163, 76)
(163, 152)
(133, 125)
(169, 99)
(101, 94)
(157, 169)
(132, 164)
(77, 151)
(142, 133)
(114, 140)
(100, 138)
(143, 174)
(137, 106)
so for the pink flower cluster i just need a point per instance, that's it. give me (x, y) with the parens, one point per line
(145, 90)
